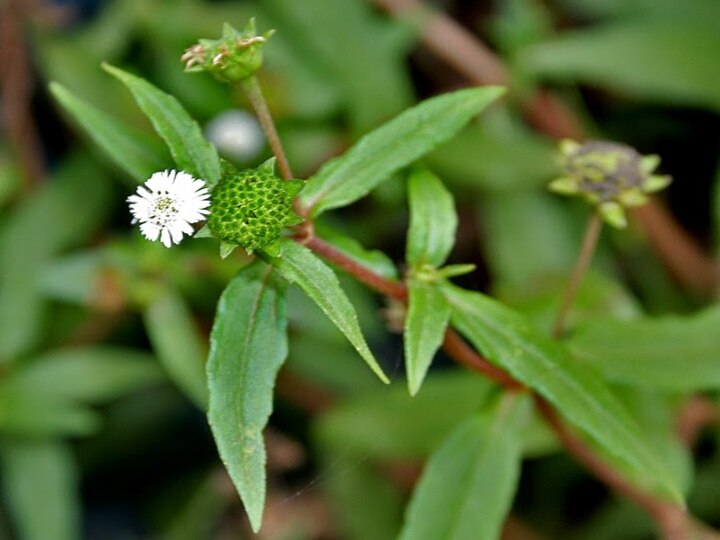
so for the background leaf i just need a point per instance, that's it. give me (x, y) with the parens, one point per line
(468, 484)
(133, 151)
(394, 145)
(40, 486)
(646, 352)
(247, 347)
(300, 266)
(433, 221)
(661, 60)
(189, 149)
(428, 313)
(507, 339)
(176, 342)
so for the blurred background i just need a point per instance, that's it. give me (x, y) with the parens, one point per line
(103, 335)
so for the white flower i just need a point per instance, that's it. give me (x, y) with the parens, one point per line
(167, 204)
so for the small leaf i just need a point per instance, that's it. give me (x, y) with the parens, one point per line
(300, 266)
(505, 338)
(375, 157)
(467, 487)
(427, 317)
(183, 136)
(433, 220)
(41, 487)
(670, 353)
(176, 342)
(133, 151)
(248, 345)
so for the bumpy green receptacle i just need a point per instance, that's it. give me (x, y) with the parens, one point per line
(250, 208)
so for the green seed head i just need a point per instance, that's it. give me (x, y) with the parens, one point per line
(250, 208)
(234, 57)
(608, 175)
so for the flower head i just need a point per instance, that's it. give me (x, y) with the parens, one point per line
(232, 58)
(250, 208)
(609, 175)
(167, 204)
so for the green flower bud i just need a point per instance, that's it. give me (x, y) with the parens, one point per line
(250, 208)
(232, 58)
(608, 175)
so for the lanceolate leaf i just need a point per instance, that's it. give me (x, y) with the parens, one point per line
(468, 485)
(191, 151)
(507, 339)
(248, 345)
(131, 150)
(433, 220)
(668, 353)
(300, 266)
(425, 323)
(392, 146)
(176, 342)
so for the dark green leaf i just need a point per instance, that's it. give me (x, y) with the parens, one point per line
(507, 339)
(40, 486)
(132, 150)
(467, 487)
(427, 317)
(300, 266)
(664, 60)
(433, 220)
(183, 136)
(247, 347)
(176, 342)
(89, 374)
(670, 353)
(392, 146)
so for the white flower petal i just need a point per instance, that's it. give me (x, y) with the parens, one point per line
(167, 204)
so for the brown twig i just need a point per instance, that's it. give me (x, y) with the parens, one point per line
(697, 413)
(472, 59)
(17, 86)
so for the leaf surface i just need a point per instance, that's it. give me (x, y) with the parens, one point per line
(302, 267)
(248, 345)
(399, 142)
(181, 133)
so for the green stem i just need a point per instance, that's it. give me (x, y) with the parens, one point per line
(251, 86)
(592, 233)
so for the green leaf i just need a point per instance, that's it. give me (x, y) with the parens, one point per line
(131, 150)
(671, 353)
(663, 60)
(90, 374)
(183, 136)
(427, 318)
(375, 423)
(248, 345)
(433, 220)
(40, 486)
(467, 487)
(300, 266)
(505, 338)
(394, 145)
(174, 337)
